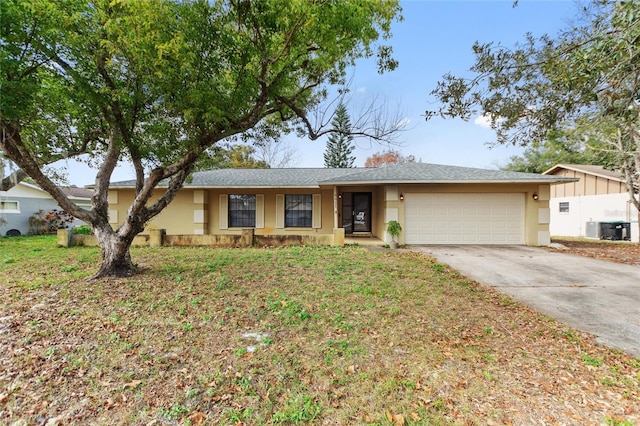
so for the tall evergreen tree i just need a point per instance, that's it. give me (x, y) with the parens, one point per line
(340, 143)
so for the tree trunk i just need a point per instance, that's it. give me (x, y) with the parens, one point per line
(116, 257)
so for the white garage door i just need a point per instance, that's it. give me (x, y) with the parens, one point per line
(464, 218)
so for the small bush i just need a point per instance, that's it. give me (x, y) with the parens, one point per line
(49, 222)
(82, 230)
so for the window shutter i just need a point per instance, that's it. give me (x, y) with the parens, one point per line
(259, 210)
(316, 218)
(224, 211)
(279, 211)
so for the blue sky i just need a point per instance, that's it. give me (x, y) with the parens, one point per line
(434, 38)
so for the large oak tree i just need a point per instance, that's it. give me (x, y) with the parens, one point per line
(158, 82)
(584, 81)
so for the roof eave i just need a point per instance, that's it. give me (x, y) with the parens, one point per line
(576, 169)
(405, 182)
(226, 186)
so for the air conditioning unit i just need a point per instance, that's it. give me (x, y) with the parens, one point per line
(592, 230)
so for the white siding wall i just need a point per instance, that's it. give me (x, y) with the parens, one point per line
(591, 208)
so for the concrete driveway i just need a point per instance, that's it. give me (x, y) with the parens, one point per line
(599, 297)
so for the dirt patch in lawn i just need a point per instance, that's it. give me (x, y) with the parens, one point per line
(301, 335)
(614, 251)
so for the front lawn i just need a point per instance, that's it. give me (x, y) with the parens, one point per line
(307, 335)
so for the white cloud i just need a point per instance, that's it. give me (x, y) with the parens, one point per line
(361, 89)
(483, 121)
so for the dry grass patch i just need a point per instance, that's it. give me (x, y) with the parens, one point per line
(614, 251)
(300, 335)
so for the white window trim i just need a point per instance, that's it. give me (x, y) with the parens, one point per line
(560, 207)
(16, 210)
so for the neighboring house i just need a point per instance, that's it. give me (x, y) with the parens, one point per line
(597, 195)
(19, 203)
(435, 204)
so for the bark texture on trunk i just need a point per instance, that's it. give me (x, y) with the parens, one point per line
(116, 257)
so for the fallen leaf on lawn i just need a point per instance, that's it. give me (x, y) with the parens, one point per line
(389, 416)
(414, 416)
(132, 385)
(367, 418)
(424, 400)
(198, 418)
(396, 419)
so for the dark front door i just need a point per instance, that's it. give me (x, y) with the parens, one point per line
(356, 212)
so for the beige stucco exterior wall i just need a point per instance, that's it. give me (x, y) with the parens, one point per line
(177, 218)
(182, 216)
(587, 185)
(270, 211)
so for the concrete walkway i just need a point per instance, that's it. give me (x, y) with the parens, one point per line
(599, 297)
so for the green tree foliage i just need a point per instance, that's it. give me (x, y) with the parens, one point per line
(559, 148)
(586, 80)
(157, 83)
(340, 143)
(235, 156)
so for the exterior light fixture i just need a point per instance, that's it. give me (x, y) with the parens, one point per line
(535, 196)
(401, 196)
(340, 196)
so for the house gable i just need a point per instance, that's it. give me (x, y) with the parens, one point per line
(591, 180)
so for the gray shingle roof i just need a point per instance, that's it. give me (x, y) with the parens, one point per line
(314, 177)
(74, 191)
(257, 178)
(437, 173)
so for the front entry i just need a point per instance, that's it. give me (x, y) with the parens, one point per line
(356, 212)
